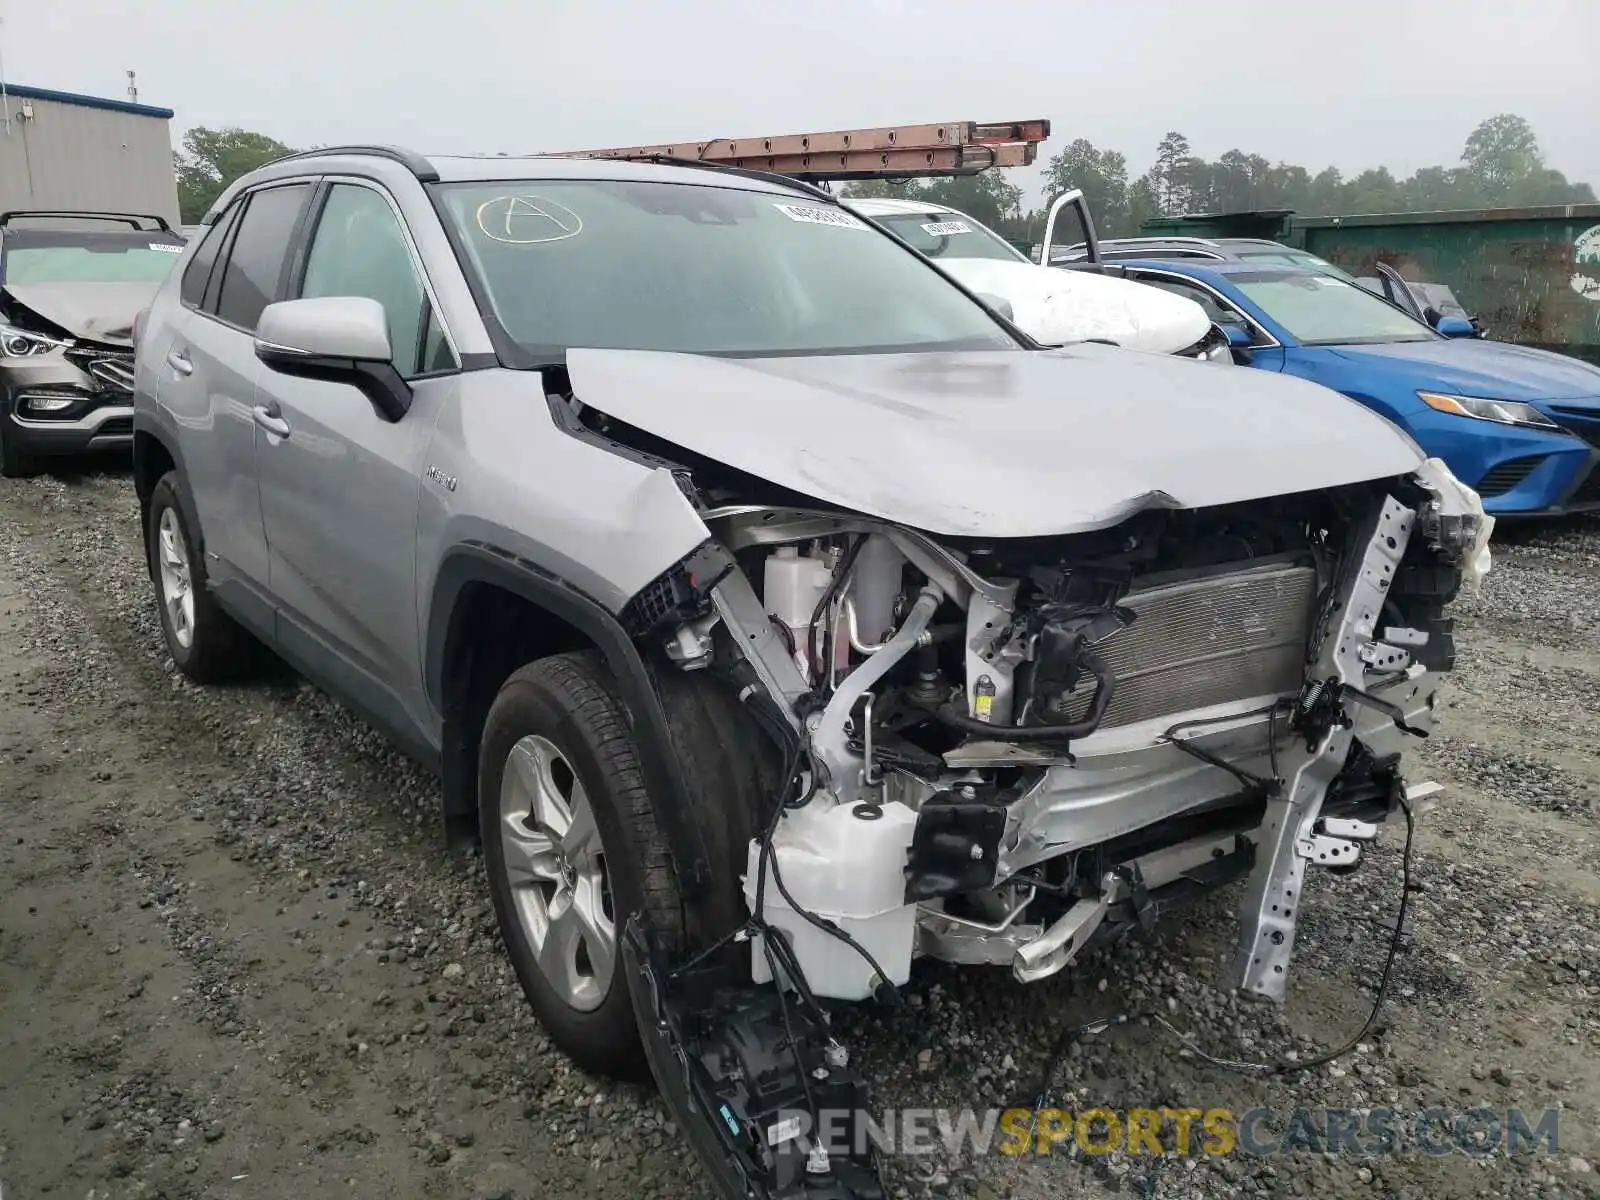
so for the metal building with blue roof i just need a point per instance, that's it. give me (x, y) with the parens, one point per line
(61, 150)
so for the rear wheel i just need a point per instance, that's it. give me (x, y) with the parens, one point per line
(572, 849)
(205, 642)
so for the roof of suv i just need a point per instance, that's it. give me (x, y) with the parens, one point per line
(386, 162)
(486, 168)
(1226, 249)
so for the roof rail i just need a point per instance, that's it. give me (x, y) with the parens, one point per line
(673, 160)
(1188, 241)
(424, 170)
(86, 215)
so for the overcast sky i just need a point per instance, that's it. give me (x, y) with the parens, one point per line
(1354, 83)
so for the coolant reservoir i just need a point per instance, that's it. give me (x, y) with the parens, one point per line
(875, 586)
(851, 871)
(792, 586)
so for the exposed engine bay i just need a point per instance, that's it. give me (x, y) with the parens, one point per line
(1018, 747)
(1004, 751)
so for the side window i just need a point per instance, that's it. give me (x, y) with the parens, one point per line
(255, 264)
(1214, 311)
(436, 352)
(192, 291)
(359, 249)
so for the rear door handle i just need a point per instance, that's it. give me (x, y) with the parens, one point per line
(267, 417)
(179, 362)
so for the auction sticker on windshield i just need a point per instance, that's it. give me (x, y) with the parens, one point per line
(810, 215)
(166, 247)
(946, 228)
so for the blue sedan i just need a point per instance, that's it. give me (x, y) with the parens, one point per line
(1520, 426)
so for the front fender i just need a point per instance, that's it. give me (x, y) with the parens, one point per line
(483, 563)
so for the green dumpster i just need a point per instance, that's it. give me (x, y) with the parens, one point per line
(1531, 275)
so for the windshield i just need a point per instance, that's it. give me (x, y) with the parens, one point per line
(1296, 258)
(141, 262)
(701, 269)
(949, 235)
(1320, 310)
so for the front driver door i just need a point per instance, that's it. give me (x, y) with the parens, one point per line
(339, 482)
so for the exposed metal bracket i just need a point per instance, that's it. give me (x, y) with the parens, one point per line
(752, 632)
(1335, 842)
(1267, 920)
(1059, 945)
(1324, 851)
(689, 647)
(1382, 656)
(1348, 829)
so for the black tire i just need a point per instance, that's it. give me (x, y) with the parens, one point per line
(571, 701)
(219, 649)
(15, 462)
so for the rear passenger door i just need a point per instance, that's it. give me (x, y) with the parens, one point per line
(208, 375)
(339, 492)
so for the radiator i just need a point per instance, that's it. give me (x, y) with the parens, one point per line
(1209, 641)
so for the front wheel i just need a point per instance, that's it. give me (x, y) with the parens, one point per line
(573, 849)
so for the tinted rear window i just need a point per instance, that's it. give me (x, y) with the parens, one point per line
(198, 273)
(255, 264)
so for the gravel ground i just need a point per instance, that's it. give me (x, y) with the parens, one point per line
(235, 961)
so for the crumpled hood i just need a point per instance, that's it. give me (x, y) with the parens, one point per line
(1493, 370)
(998, 443)
(96, 312)
(1055, 306)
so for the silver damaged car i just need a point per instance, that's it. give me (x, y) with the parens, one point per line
(771, 609)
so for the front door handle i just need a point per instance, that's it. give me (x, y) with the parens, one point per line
(268, 418)
(179, 362)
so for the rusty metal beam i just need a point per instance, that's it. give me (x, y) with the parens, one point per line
(888, 152)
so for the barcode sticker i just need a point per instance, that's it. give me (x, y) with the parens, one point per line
(946, 228)
(811, 215)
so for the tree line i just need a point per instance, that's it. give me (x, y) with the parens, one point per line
(1501, 166)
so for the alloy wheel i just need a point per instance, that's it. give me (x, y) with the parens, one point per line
(556, 867)
(177, 582)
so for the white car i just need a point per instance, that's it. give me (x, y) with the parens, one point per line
(1050, 305)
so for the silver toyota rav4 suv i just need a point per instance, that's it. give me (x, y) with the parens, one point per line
(772, 609)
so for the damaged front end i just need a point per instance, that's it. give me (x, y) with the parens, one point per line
(1004, 751)
(63, 392)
